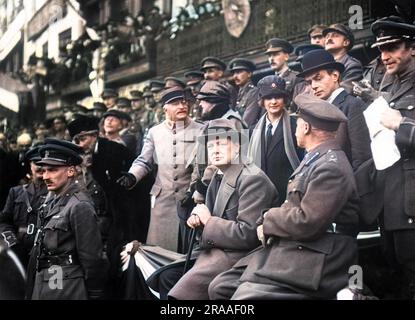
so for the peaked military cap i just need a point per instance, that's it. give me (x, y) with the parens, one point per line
(193, 77)
(277, 44)
(118, 114)
(136, 95)
(212, 62)
(109, 93)
(99, 106)
(170, 94)
(33, 153)
(57, 152)
(342, 29)
(271, 86)
(319, 59)
(83, 124)
(321, 114)
(316, 27)
(156, 85)
(391, 30)
(147, 92)
(242, 64)
(123, 102)
(214, 92)
(170, 82)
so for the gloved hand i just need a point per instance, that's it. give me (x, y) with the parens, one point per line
(127, 180)
(260, 234)
(364, 90)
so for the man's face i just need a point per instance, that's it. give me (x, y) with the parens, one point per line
(241, 77)
(300, 132)
(56, 178)
(112, 124)
(335, 41)
(396, 57)
(206, 107)
(277, 60)
(323, 83)
(274, 105)
(176, 110)
(58, 125)
(136, 104)
(37, 172)
(214, 74)
(222, 151)
(316, 37)
(86, 141)
(110, 102)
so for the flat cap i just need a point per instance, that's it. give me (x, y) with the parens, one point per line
(57, 152)
(301, 50)
(136, 95)
(170, 82)
(212, 62)
(109, 93)
(242, 64)
(193, 77)
(321, 114)
(277, 44)
(170, 94)
(214, 91)
(392, 29)
(342, 29)
(220, 128)
(118, 114)
(319, 59)
(156, 85)
(83, 124)
(272, 86)
(123, 102)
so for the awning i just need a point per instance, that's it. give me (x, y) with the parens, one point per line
(9, 100)
(9, 89)
(13, 41)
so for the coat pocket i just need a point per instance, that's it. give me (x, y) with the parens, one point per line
(297, 264)
(155, 190)
(52, 230)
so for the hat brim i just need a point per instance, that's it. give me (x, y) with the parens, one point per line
(241, 68)
(181, 97)
(276, 93)
(50, 162)
(377, 44)
(223, 134)
(193, 82)
(324, 66)
(212, 66)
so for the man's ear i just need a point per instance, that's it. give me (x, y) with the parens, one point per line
(71, 171)
(346, 42)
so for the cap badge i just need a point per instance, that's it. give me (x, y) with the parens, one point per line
(273, 85)
(47, 154)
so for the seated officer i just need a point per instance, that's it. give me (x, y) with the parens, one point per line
(235, 197)
(68, 241)
(309, 242)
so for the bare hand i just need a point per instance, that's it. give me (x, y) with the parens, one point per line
(260, 234)
(391, 119)
(202, 212)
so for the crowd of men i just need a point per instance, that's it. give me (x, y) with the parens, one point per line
(272, 181)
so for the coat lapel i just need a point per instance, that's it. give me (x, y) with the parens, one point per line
(406, 86)
(340, 99)
(226, 189)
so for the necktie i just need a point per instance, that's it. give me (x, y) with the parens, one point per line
(216, 184)
(268, 135)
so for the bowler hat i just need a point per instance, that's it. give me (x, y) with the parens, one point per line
(170, 94)
(319, 59)
(242, 64)
(272, 86)
(301, 50)
(342, 29)
(83, 124)
(212, 62)
(392, 29)
(321, 114)
(57, 152)
(277, 44)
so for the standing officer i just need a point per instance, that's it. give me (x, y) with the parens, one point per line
(110, 98)
(68, 241)
(309, 243)
(19, 216)
(247, 99)
(167, 145)
(396, 42)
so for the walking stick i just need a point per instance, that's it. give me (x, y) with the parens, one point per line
(189, 252)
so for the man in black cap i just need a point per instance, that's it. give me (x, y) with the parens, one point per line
(214, 69)
(316, 35)
(110, 98)
(339, 41)
(114, 122)
(309, 242)
(167, 146)
(236, 195)
(68, 239)
(278, 52)
(324, 75)
(98, 109)
(396, 41)
(170, 82)
(300, 51)
(19, 216)
(247, 99)
(273, 147)
(156, 115)
(194, 81)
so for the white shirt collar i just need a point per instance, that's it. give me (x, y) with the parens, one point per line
(274, 124)
(334, 94)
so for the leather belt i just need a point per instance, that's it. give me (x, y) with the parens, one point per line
(46, 262)
(345, 230)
